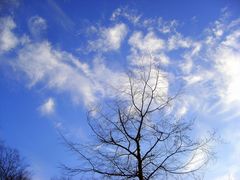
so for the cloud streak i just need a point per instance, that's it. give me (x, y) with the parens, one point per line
(56, 70)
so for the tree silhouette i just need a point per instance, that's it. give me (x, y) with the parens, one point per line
(12, 166)
(137, 135)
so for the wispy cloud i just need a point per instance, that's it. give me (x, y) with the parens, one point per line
(61, 17)
(37, 25)
(57, 70)
(48, 107)
(149, 43)
(62, 71)
(215, 68)
(127, 13)
(8, 40)
(109, 39)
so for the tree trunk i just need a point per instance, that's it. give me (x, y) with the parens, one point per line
(140, 172)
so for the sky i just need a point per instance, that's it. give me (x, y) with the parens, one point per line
(58, 57)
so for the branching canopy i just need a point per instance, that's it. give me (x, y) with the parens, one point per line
(139, 137)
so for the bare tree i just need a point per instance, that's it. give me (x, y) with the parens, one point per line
(12, 166)
(138, 135)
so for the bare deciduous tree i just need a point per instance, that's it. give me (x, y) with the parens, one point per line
(138, 135)
(12, 166)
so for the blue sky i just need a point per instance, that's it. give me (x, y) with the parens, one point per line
(57, 58)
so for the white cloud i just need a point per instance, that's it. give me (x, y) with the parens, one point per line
(149, 43)
(201, 76)
(228, 64)
(197, 159)
(57, 70)
(233, 40)
(37, 25)
(8, 40)
(182, 111)
(177, 41)
(226, 58)
(63, 73)
(108, 80)
(187, 66)
(167, 26)
(130, 15)
(218, 29)
(48, 107)
(138, 20)
(146, 49)
(109, 38)
(212, 69)
(229, 176)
